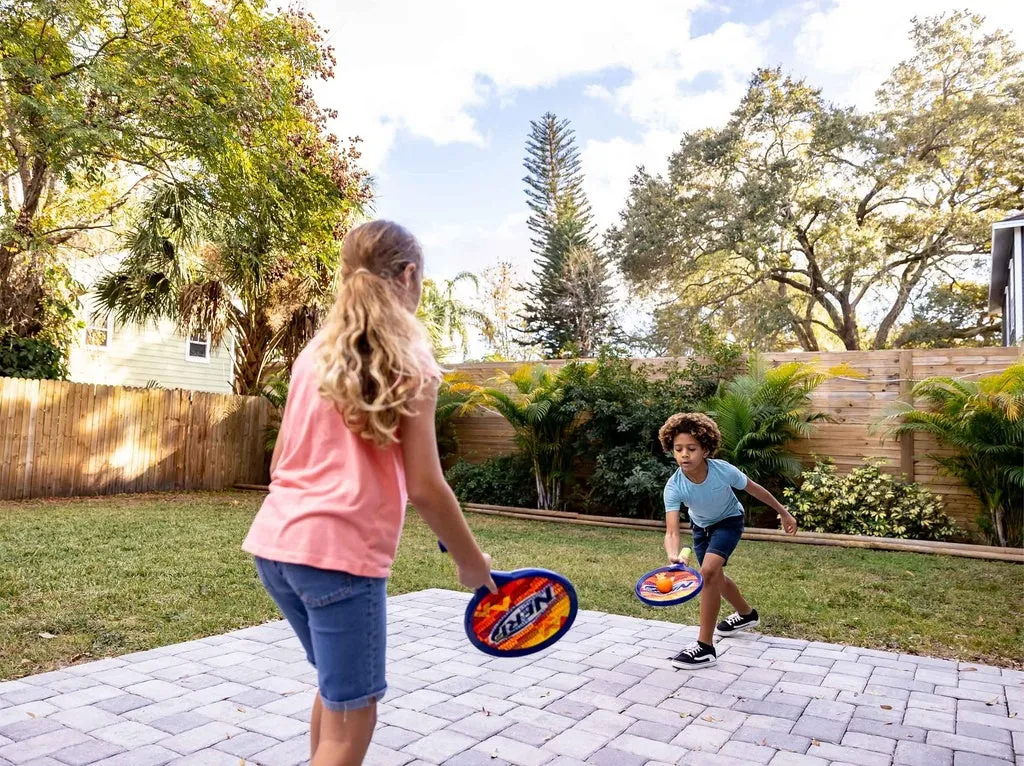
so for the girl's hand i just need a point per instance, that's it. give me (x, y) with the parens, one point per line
(788, 522)
(478, 575)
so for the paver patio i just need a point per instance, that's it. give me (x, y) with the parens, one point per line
(605, 695)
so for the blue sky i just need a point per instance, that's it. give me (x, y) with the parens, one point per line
(442, 92)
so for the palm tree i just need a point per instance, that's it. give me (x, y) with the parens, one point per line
(983, 422)
(532, 399)
(448, 318)
(761, 412)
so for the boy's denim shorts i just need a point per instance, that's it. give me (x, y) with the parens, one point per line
(721, 538)
(341, 621)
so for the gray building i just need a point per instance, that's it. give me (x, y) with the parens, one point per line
(1006, 289)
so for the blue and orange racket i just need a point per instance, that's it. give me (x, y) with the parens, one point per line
(532, 609)
(669, 585)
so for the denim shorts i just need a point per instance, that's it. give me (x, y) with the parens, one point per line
(721, 538)
(341, 621)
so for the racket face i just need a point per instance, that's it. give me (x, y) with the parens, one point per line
(532, 609)
(685, 583)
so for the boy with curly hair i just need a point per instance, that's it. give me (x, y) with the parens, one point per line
(705, 486)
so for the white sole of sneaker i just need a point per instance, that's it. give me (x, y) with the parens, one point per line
(687, 666)
(734, 631)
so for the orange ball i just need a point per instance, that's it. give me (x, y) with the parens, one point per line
(663, 583)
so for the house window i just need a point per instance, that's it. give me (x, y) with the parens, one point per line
(197, 348)
(99, 329)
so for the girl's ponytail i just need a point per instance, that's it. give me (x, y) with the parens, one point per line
(372, 354)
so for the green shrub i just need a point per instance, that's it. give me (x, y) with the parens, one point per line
(506, 480)
(31, 358)
(867, 501)
(623, 405)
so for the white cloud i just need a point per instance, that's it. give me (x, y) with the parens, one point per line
(608, 166)
(850, 46)
(667, 101)
(421, 68)
(451, 248)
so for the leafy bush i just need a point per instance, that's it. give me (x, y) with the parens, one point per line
(867, 501)
(983, 421)
(31, 358)
(623, 406)
(276, 392)
(506, 480)
(453, 398)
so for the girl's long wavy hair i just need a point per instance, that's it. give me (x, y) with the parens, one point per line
(372, 354)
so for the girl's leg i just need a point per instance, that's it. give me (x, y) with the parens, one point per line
(710, 596)
(314, 725)
(345, 736)
(733, 596)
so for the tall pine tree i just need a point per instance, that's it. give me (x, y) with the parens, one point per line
(569, 302)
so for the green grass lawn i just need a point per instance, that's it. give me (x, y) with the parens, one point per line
(87, 578)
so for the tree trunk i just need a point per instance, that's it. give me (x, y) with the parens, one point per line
(22, 231)
(251, 348)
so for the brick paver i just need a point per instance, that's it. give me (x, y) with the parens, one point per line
(605, 696)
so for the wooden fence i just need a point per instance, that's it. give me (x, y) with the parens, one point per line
(64, 439)
(855, 403)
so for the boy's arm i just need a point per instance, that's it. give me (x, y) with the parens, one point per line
(672, 540)
(755, 490)
(673, 506)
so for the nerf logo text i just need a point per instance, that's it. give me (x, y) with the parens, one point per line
(524, 614)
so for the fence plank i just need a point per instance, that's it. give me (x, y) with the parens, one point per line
(60, 439)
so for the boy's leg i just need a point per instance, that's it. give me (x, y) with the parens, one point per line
(711, 595)
(732, 594)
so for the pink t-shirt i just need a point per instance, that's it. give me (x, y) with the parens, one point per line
(337, 501)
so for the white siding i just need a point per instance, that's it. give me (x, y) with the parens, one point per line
(137, 356)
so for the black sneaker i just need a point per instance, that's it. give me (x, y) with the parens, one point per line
(696, 655)
(736, 622)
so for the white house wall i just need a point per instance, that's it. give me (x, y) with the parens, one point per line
(138, 355)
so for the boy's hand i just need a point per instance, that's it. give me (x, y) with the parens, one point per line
(788, 522)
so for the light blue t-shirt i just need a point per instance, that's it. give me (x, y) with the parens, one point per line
(710, 501)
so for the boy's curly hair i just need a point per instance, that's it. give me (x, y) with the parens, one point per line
(696, 424)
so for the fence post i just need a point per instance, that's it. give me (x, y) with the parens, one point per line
(906, 395)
